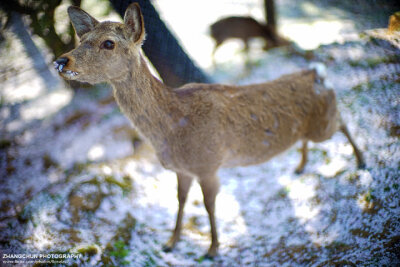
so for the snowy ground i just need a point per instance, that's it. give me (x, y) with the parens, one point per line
(75, 177)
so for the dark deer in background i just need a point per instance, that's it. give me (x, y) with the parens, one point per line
(245, 28)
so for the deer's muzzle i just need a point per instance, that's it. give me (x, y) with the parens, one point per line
(59, 65)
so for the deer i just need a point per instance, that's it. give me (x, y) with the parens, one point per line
(244, 28)
(198, 128)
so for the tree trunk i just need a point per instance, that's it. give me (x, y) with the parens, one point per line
(19, 29)
(269, 7)
(163, 50)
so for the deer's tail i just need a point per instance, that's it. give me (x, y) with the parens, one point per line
(321, 74)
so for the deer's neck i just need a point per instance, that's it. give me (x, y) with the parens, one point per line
(147, 102)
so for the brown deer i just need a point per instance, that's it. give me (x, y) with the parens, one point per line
(198, 128)
(245, 28)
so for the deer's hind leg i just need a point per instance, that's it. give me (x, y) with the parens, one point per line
(304, 153)
(357, 153)
(210, 186)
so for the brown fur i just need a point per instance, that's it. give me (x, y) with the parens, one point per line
(198, 128)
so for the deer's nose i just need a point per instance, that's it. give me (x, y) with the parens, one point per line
(62, 60)
(60, 63)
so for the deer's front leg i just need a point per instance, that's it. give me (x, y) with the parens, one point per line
(304, 152)
(184, 182)
(210, 186)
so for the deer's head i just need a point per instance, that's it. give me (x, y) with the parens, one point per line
(107, 50)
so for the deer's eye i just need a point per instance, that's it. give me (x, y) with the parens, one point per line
(108, 44)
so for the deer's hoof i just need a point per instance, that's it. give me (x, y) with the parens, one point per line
(299, 171)
(211, 254)
(361, 165)
(208, 256)
(167, 248)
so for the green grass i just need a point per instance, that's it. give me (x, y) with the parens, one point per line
(373, 62)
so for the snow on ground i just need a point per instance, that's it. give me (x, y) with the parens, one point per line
(76, 178)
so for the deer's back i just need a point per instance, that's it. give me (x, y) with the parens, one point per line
(255, 122)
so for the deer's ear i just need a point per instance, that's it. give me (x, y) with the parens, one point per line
(81, 20)
(134, 23)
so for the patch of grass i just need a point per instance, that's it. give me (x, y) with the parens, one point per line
(5, 143)
(124, 231)
(360, 232)
(120, 252)
(369, 202)
(394, 130)
(318, 154)
(117, 249)
(387, 188)
(125, 184)
(150, 262)
(201, 259)
(77, 168)
(282, 193)
(115, 111)
(338, 246)
(48, 162)
(363, 87)
(306, 54)
(10, 169)
(89, 250)
(373, 62)
(369, 196)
